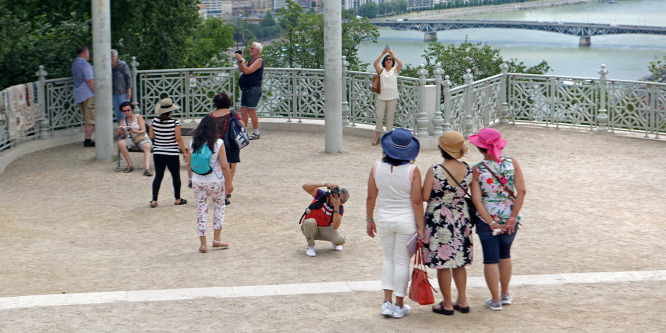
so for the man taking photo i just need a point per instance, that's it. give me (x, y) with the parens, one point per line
(322, 218)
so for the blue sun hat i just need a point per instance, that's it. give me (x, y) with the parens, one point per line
(400, 144)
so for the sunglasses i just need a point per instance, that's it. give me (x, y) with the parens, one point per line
(130, 110)
(387, 59)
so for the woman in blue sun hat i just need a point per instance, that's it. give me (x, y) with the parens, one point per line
(498, 192)
(394, 186)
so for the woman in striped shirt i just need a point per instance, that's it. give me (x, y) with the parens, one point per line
(168, 146)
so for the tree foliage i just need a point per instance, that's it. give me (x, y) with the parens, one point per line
(302, 41)
(658, 69)
(208, 45)
(482, 59)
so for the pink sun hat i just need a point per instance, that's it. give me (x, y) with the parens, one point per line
(490, 139)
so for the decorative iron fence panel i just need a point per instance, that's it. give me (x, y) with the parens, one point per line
(637, 107)
(61, 110)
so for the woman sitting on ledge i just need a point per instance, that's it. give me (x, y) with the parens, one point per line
(131, 134)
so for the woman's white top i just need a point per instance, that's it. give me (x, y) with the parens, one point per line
(389, 82)
(394, 200)
(216, 175)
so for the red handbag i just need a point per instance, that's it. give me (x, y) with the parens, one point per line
(420, 290)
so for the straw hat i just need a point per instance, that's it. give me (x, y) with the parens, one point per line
(453, 143)
(166, 105)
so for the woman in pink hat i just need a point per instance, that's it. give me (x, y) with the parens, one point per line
(498, 192)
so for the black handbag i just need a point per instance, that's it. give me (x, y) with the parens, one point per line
(468, 198)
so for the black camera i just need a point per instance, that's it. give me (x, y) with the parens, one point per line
(239, 51)
(336, 191)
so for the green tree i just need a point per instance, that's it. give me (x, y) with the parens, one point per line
(302, 42)
(209, 43)
(155, 31)
(268, 20)
(658, 69)
(369, 10)
(30, 38)
(482, 59)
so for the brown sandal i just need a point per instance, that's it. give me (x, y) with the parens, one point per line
(153, 204)
(375, 142)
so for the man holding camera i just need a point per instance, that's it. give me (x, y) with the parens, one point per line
(252, 75)
(322, 218)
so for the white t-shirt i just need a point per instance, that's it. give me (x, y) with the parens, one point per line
(216, 175)
(389, 82)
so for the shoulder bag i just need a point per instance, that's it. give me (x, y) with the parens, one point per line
(506, 188)
(377, 83)
(420, 291)
(468, 197)
(236, 133)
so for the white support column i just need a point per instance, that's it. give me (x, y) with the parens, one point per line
(101, 50)
(333, 75)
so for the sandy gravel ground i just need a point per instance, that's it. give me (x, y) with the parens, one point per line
(71, 224)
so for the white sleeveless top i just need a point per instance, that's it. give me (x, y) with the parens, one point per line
(389, 82)
(394, 200)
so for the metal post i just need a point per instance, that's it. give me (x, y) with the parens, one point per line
(422, 120)
(437, 115)
(101, 21)
(504, 106)
(333, 73)
(469, 121)
(602, 116)
(42, 125)
(446, 115)
(135, 88)
(345, 104)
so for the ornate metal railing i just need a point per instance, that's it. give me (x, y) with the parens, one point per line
(297, 94)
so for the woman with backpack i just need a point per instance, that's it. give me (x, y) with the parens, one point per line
(221, 115)
(210, 179)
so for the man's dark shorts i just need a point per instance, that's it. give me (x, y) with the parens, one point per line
(250, 97)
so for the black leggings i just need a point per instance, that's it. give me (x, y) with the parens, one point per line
(162, 162)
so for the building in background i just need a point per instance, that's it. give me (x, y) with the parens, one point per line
(216, 8)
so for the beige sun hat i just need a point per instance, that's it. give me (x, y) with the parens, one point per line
(166, 105)
(453, 143)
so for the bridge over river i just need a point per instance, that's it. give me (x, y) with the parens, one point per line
(583, 30)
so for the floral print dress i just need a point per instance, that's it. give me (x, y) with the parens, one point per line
(495, 198)
(448, 230)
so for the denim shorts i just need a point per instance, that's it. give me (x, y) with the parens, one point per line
(494, 247)
(250, 97)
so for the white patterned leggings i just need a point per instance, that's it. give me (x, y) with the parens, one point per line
(202, 192)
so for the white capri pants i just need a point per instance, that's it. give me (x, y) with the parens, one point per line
(385, 107)
(395, 271)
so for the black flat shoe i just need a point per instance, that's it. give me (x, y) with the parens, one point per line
(442, 310)
(462, 310)
(182, 202)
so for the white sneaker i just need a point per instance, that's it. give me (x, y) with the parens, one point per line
(495, 306)
(311, 252)
(399, 312)
(507, 299)
(337, 247)
(387, 309)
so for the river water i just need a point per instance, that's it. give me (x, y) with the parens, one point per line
(626, 56)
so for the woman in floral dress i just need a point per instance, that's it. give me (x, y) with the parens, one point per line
(498, 192)
(448, 233)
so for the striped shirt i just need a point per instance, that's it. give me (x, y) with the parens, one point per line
(165, 136)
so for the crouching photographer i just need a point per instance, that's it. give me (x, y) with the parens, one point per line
(322, 218)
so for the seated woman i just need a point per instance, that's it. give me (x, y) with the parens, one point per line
(131, 134)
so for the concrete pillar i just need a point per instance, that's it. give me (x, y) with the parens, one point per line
(333, 75)
(585, 41)
(430, 36)
(101, 49)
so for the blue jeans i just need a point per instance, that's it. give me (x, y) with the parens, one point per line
(494, 247)
(250, 97)
(117, 100)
